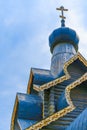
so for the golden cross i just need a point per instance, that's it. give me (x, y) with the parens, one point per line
(62, 11)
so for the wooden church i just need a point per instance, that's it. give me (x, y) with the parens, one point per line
(56, 99)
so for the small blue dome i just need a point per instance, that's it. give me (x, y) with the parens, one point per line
(62, 35)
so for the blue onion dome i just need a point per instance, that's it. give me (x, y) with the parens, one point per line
(63, 35)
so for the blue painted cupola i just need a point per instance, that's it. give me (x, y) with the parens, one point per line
(63, 44)
(63, 35)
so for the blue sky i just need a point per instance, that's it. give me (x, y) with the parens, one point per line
(25, 26)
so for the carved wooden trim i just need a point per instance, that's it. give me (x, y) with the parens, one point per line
(66, 110)
(14, 113)
(30, 82)
(63, 78)
(63, 112)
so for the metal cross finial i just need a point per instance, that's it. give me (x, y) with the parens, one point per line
(62, 16)
(62, 9)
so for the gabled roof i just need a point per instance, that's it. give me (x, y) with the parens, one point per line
(70, 106)
(63, 112)
(52, 82)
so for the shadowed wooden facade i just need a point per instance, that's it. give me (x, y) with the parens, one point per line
(56, 99)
